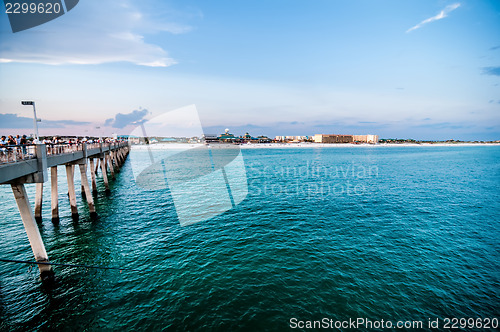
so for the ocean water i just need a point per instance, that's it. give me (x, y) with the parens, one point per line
(382, 233)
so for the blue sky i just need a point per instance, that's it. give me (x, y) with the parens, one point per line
(408, 69)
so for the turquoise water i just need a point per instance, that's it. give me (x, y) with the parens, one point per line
(392, 233)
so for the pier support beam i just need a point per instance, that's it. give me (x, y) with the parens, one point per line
(118, 160)
(71, 191)
(32, 231)
(54, 195)
(104, 174)
(115, 161)
(111, 167)
(96, 165)
(92, 175)
(38, 201)
(85, 184)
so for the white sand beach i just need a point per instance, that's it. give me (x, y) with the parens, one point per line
(183, 146)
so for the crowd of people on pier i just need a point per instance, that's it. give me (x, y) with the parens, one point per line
(16, 148)
(11, 147)
(11, 140)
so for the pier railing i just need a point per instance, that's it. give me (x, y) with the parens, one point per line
(17, 161)
(60, 148)
(16, 153)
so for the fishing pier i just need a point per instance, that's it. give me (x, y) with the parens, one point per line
(22, 164)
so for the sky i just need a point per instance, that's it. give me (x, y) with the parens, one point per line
(416, 69)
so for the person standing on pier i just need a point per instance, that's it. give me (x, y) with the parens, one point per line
(23, 142)
(10, 150)
(3, 143)
(53, 145)
(18, 143)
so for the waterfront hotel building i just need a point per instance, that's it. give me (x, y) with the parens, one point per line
(372, 139)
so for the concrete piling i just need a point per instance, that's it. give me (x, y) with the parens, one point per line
(104, 174)
(38, 201)
(71, 191)
(32, 231)
(54, 195)
(92, 176)
(96, 165)
(85, 184)
(117, 162)
(111, 167)
(112, 161)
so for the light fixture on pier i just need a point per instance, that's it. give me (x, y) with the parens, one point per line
(35, 119)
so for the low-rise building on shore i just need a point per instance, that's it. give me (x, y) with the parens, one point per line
(227, 137)
(291, 138)
(372, 139)
(320, 138)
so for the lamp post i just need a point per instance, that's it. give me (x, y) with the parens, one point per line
(35, 120)
(99, 133)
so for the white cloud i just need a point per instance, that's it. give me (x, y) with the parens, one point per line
(95, 32)
(442, 14)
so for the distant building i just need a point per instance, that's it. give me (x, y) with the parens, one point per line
(210, 138)
(319, 138)
(168, 140)
(134, 139)
(228, 137)
(300, 138)
(264, 139)
(247, 138)
(291, 138)
(372, 139)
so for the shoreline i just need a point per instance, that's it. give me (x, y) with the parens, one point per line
(181, 146)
